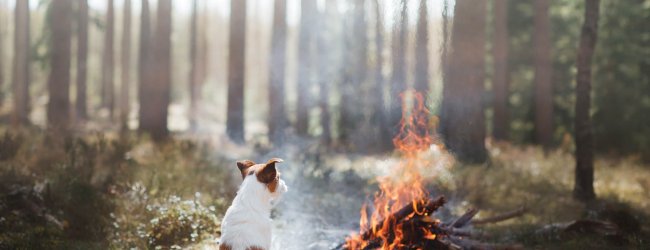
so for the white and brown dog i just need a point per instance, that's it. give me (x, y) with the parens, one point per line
(247, 223)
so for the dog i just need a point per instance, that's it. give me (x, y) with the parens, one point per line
(247, 223)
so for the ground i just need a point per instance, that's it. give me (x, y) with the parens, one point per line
(102, 191)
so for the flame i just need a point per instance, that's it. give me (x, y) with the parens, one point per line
(405, 183)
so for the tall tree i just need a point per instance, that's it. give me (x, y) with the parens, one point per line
(354, 73)
(125, 88)
(82, 60)
(108, 63)
(584, 154)
(422, 51)
(58, 108)
(328, 67)
(277, 116)
(398, 78)
(144, 66)
(500, 78)
(236, 71)
(543, 75)
(194, 71)
(305, 66)
(379, 116)
(3, 34)
(160, 74)
(463, 121)
(21, 64)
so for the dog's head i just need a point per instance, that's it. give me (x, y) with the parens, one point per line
(265, 173)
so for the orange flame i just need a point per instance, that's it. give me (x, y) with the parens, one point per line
(404, 185)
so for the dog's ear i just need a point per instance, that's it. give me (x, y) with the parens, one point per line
(268, 173)
(243, 166)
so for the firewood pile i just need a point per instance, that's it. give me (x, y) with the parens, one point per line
(415, 228)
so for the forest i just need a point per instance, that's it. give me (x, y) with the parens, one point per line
(403, 124)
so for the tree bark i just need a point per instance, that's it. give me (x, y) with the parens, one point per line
(21, 64)
(327, 69)
(58, 107)
(193, 74)
(161, 75)
(144, 62)
(584, 154)
(236, 71)
(379, 116)
(3, 34)
(108, 62)
(398, 79)
(500, 78)
(305, 65)
(464, 120)
(277, 116)
(125, 91)
(543, 75)
(82, 61)
(422, 52)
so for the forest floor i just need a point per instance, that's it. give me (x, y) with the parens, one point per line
(101, 191)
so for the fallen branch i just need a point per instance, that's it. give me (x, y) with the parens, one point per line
(501, 217)
(465, 219)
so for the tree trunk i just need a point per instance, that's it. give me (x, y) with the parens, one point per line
(327, 68)
(305, 65)
(161, 73)
(500, 78)
(82, 61)
(108, 95)
(543, 75)
(398, 81)
(3, 34)
(125, 101)
(236, 71)
(464, 120)
(379, 116)
(21, 64)
(584, 154)
(355, 69)
(58, 107)
(422, 52)
(144, 62)
(193, 75)
(277, 116)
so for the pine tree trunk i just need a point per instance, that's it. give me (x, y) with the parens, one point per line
(193, 75)
(236, 71)
(58, 107)
(21, 64)
(379, 116)
(584, 154)
(422, 52)
(501, 79)
(464, 120)
(144, 62)
(277, 116)
(108, 63)
(543, 75)
(82, 61)
(305, 65)
(398, 81)
(327, 70)
(125, 101)
(3, 34)
(161, 73)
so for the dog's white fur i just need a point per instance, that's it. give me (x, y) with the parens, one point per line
(248, 220)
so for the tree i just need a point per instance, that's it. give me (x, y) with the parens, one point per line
(82, 60)
(354, 73)
(463, 121)
(58, 107)
(277, 116)
(236, 71)
(422, 51)
(108, 64)
(144, 66)
(500, 78)
(125, 92)
(3, 34)
(543, 75)
(21, 64)
(398, 78)
(584, 154)
(327, 69)
(305, 66)
(379, 116)
(194, 71)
